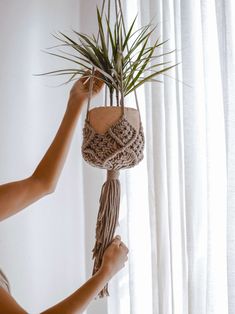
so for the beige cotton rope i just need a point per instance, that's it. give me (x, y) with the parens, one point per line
(121, 147)
(107, 219)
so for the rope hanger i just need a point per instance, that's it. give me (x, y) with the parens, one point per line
(121, 147)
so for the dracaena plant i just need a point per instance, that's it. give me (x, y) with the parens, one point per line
(124, 58)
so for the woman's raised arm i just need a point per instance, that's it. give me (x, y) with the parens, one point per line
(15, 196)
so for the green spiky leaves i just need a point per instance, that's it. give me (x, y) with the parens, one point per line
(125, 59)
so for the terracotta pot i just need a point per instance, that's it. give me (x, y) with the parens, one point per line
(102, 118)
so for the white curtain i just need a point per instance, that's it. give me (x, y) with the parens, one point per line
(180, 200)
(177, 207)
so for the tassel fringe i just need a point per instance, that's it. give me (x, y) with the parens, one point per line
(107, 220)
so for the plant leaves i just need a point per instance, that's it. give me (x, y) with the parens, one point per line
(147, 79)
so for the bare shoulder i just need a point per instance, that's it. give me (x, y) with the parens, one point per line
(8, 304)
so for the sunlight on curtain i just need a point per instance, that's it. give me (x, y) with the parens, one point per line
(131, 289)
(174, 208)
(216, 163)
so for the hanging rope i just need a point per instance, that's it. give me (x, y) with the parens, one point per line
(93, 70)
(107, 36)
(109, 203)
(124, 28)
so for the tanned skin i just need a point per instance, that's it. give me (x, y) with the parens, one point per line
(17, 195)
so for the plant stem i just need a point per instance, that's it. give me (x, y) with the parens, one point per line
(111, 96)
(117, 97)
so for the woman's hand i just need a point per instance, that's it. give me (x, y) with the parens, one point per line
(114, 257)
(113, 260)
(80, 90)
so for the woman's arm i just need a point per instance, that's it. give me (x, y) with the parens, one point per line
(114, 259)
(15, 196)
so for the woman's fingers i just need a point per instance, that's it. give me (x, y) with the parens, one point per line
(85, 77)
(124, 247)
(117, 240)
(97, 83)
(115, 256)
(81, 88)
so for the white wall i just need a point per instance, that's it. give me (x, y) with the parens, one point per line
(46, 249)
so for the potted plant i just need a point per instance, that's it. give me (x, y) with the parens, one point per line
(113, 136)
(123, 67)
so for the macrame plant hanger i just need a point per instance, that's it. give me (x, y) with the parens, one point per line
(109, 203)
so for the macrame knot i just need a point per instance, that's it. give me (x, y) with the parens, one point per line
(112, 175)
(120, 147)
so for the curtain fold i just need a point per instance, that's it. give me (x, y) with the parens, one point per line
(189, 127)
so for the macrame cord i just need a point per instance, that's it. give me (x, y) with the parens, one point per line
(121, 147)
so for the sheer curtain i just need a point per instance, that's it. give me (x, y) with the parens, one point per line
(179, 203)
